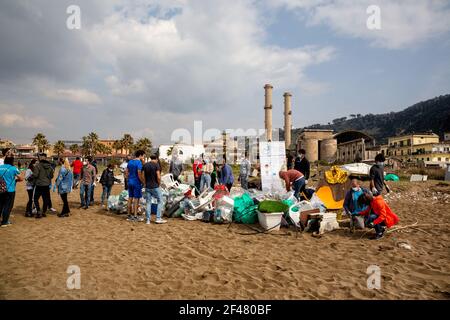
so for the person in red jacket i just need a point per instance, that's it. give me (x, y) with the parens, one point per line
(198, 171)
(76, 165)
(379, 214)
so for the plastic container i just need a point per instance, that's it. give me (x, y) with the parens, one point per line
(270, 221)
(328, 222)
(294, 213)
(229, 201)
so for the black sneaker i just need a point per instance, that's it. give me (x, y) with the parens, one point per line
(381, 234)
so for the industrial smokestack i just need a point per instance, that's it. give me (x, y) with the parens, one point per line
(268, 111)
(287, 119)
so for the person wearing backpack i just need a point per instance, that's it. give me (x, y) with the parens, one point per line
(30, 188)
(107, 181)
(43, 175)
(9, 174)
(64, 183)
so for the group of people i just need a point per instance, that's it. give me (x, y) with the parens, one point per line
(208, 174)
(297, 174)
(366, 207)
(40, 180)
(141, 175)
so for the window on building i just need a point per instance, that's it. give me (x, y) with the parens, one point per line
(439, 159)
(428, 159)
(401, 152)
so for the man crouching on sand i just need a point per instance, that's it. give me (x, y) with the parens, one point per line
(379, 215)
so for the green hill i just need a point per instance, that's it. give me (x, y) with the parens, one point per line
(431, 115)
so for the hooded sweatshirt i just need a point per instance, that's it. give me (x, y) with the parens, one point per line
(43, 173)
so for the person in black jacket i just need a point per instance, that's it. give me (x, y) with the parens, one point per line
(302, 164)
(107, 181)
(94, 164)
(42, 175)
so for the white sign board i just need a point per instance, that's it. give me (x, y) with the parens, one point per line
(272, 156)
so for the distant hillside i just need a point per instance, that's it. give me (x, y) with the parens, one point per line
(433, 114)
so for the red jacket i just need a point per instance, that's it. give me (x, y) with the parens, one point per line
(382, 210)
(77, 165)
(197, 167)
(289, 177)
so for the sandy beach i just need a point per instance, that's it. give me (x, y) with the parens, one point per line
(196, 260)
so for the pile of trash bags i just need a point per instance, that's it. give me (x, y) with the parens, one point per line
(216, 206)
(119, 203)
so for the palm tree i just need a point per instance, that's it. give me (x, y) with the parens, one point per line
(127, 142)
(169, 151)
(117, 145)
(41, 142)
(104, 149)
(143, 144)
(59, 147)
(91, 144)
(74, 149)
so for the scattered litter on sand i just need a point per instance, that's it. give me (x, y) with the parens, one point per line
(404, 245)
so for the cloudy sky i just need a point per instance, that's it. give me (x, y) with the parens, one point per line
(149, 67)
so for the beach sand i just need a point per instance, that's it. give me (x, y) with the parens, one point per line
(196, 260)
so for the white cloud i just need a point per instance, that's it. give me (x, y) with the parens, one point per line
(206, 56)
(404, 23)
(81, 96)
(11, 120)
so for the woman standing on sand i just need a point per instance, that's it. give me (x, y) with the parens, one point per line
(30, 188)
(64, 183)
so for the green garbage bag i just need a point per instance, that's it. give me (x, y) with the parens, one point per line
(290, 203)
(244, 210)
(391, 177)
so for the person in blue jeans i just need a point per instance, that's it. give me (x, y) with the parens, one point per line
(88, 177)
(152, 178)
(135, 178)
(295, 178)
(9, 174)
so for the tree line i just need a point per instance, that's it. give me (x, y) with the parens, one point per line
(91, 145)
